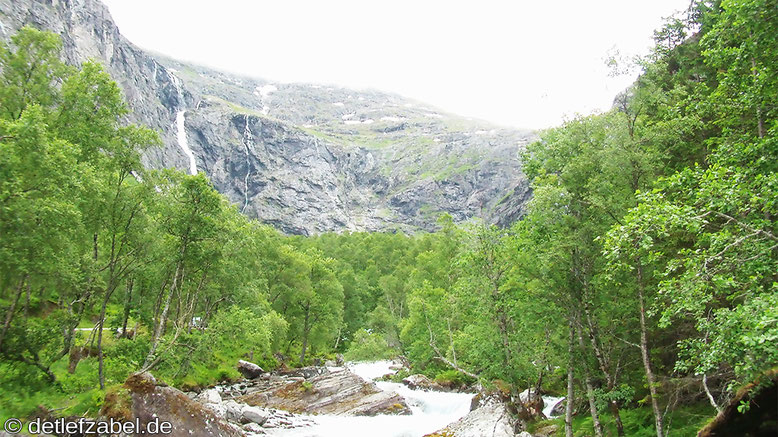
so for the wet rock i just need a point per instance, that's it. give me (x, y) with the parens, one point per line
(340, 392)
(249, 370)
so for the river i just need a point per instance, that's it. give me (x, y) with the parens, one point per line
(431, 412)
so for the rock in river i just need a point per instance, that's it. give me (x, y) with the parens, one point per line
(340, 392)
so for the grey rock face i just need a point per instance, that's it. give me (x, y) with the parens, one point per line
(303, 158)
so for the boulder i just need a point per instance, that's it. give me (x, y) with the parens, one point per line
(249, 370)
(210, 396)
(154, 401)
(251, 414)
(491, 418)
(340, 392)
(232, 410)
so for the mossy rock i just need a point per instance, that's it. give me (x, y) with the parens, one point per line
(117, 404)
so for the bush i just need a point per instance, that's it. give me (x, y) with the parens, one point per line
(369, 346)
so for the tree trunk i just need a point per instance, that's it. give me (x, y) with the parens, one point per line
(646, 358)
(163, 316)
(9, 315)
(604, 367)
(306, 328)
(100, 363)
(590, 391)
(570, 381)
(127, 303)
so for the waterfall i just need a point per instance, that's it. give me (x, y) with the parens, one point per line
(181, 124)
(246, 139)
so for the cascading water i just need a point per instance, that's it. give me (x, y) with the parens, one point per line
(180, 124)
(432, 411)
(246, 139)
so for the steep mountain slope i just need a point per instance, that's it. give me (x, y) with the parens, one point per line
(305, 158)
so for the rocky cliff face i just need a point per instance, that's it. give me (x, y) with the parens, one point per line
(304, 158)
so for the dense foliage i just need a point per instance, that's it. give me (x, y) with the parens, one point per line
(641, 283)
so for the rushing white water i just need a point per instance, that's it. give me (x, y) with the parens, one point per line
(549, 402)
(432, 411)
(181, 124)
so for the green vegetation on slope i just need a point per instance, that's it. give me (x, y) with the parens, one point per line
(641, 284)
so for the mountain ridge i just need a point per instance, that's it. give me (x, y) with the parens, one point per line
(305, 158)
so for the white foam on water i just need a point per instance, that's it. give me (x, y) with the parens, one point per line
(549, 402)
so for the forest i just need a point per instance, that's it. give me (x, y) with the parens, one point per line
(642, 283)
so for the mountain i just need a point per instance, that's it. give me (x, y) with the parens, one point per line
(305, 158)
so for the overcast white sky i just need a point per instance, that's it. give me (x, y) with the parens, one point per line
(517, 63)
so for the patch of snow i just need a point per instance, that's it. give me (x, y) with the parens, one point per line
(352, 122)
(390, 118)
(339, 104)
(408, 105)
(368, 121)
(307, 126)
(361, 98)
(437, 140)
(348, 116)
(2, 27)
(433, 115)
(480, 132)
(265, 110)
(265, 90)
(256, 93)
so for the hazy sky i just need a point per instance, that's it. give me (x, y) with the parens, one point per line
(517, 63)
